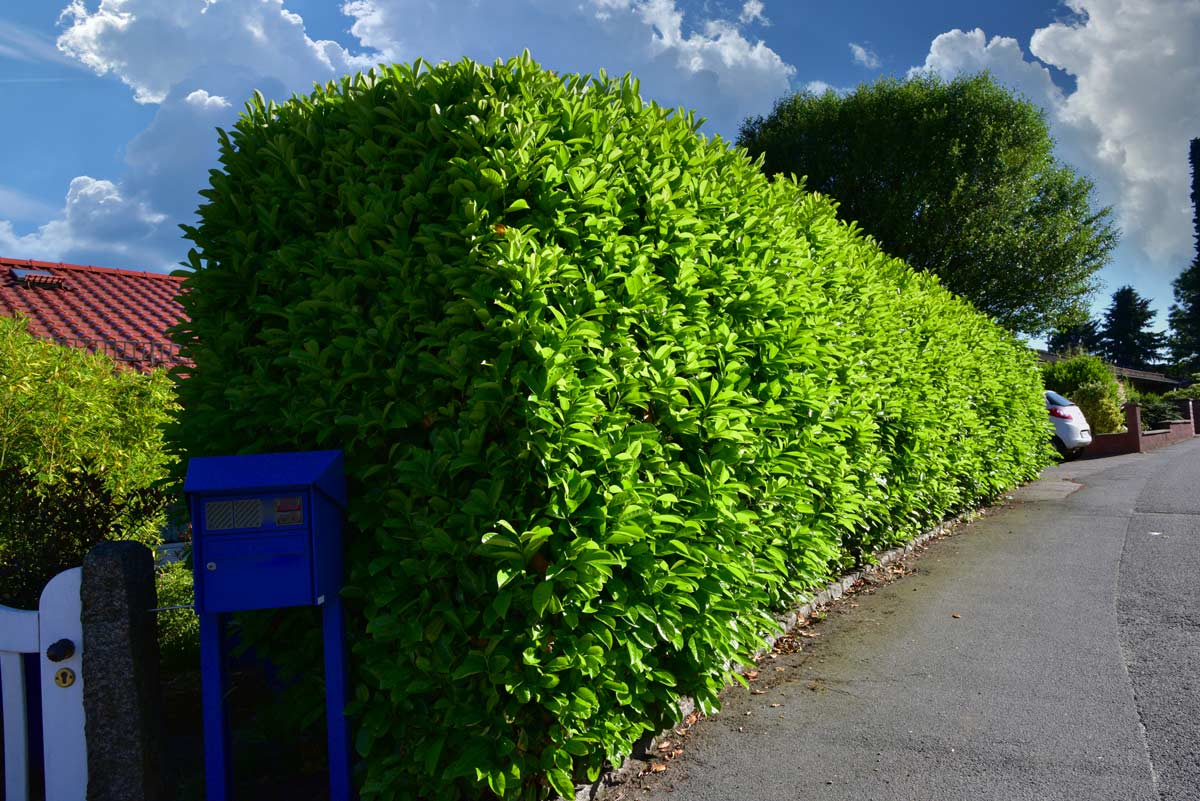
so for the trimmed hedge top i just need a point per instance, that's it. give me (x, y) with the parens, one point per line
(608, 396)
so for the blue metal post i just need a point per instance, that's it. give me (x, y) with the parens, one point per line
(216, 722)
(336, 697)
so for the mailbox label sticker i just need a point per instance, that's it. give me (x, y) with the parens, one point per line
(289, 511)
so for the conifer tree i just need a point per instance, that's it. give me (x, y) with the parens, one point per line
(1126, 338)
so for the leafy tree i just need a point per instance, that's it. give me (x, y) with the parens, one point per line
(1185, 312)
(1082, 337)
(958, 179)
(1126, 337)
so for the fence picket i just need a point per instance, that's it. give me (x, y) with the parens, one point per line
(62, 707)
(18, 635)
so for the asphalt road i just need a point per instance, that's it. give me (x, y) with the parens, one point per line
(1050, 650)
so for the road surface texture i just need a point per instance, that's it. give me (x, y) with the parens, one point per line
(1049, 650)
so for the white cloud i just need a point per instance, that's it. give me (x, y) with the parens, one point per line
(706, 63)
(863, 56)
(820, 88)
(152, 45)
(96, 220)
(1137, 69)
(752, 11)
(970, 51)
(197, 60)
(1127, 122)
(204, 100)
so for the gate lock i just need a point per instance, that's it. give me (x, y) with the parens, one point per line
(60, 651)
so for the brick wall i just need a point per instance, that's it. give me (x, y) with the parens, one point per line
(1134, 440)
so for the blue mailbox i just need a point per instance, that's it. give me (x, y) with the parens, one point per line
(267, 534)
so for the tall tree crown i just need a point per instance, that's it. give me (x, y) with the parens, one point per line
(958, 178)
(1126, 337)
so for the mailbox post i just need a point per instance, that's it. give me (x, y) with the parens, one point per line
(267, 534)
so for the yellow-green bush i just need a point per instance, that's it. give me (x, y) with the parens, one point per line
(607, 395)
(81, 457)
(1100, 408)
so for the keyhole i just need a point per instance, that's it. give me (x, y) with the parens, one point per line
(64, 677)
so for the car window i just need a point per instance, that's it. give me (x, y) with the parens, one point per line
(1054, 399)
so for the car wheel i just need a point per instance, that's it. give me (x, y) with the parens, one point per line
(1061, 447)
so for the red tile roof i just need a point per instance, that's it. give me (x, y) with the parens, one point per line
(123, 313)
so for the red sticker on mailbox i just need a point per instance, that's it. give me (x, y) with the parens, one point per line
(288, 504)
(289, 511)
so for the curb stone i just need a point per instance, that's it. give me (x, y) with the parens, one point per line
(613, 779)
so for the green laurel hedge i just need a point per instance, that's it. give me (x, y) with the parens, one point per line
(608, 397)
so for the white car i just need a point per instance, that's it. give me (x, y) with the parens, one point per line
(1071, 430)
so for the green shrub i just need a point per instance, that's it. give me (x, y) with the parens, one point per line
(178, 629)
(81, 456)
(1157, 410)
(1189, 392)
(607, 395)
(1103, 413)
(1067, 375)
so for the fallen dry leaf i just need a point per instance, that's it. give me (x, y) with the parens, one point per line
(956, 615)
(657, 767)
(751, 675)
(758, 692)
(776, 706)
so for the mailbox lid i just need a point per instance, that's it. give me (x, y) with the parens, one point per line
(256, 571)
(265, 472)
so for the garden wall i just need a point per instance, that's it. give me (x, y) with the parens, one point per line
(1134, 440)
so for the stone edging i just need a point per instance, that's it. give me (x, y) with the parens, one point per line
(614, 778)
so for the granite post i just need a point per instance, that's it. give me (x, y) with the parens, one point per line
(121, 692)
(1133, 424)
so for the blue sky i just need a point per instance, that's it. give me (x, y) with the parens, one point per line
(111, 104)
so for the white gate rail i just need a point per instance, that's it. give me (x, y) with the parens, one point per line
(24, 632)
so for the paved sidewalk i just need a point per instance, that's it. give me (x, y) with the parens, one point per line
(1050, 650)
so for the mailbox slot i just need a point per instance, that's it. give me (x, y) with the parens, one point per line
(257, 571)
